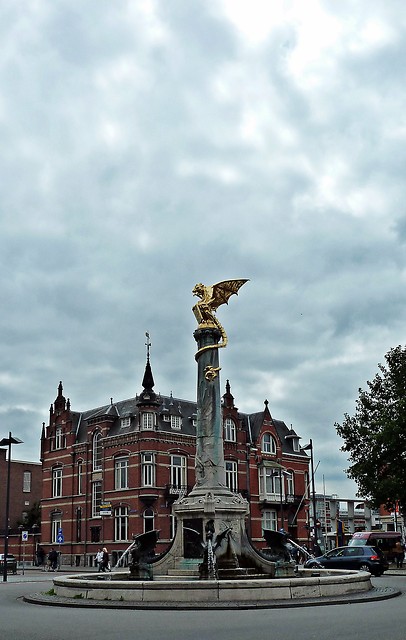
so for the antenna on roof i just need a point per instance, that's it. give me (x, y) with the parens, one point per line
(148, 345)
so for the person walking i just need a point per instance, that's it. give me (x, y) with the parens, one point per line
(53, 559)
(99, 559)
(40, 556)
(105, 562)
(399, 554)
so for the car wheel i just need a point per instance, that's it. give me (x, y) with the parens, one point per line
(365, 567)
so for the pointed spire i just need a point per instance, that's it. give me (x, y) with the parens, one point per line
(228, 398)
(148, 395)
(60, 402)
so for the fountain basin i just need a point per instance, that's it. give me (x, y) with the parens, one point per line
(202, 594)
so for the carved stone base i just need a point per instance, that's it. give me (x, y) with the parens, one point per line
(227, 512)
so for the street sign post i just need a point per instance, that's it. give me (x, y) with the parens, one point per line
(60, 540)
(24, 538)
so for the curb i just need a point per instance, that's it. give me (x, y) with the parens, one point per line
(376, 593)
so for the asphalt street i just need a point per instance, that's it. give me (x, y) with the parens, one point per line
(359, 621)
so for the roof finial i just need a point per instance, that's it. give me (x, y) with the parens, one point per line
(148, 345)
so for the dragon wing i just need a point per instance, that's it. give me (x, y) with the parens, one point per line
(222, 291)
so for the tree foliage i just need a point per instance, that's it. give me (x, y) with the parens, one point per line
(375, 437)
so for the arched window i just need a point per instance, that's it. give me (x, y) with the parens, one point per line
(149, 518)
(290, 482)
(97, 451)
(121, 472)
(268, 444)
(229, 430)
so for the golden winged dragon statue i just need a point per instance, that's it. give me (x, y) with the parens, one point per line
(211, 298)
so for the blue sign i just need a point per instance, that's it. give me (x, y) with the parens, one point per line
(60, 532)
(59, 538)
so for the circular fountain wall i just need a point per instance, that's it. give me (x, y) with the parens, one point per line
(200, 594)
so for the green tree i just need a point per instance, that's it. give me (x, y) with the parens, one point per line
(375, 437)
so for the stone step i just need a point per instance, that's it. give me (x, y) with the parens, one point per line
(183, 572)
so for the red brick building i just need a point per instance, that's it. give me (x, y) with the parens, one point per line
(25, 492)
(114, 471)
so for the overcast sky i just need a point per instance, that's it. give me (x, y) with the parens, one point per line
(149, 145)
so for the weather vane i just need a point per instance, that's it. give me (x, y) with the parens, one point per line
(148, 344)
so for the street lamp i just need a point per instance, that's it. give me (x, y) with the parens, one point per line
(281, 473)
(309, 447)
(7, 442)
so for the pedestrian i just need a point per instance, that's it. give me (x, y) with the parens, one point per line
(53, 559)
(105, 562)
(399, 554)
(99, 559)
(40, 556)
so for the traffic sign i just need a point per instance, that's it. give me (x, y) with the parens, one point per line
(24, 536)
(60, 533)
(59, 538)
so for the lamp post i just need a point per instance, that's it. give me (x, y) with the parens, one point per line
(7, 442)
(35, 533)
(309, 447)
(281, 473)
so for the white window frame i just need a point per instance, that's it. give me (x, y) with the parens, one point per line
(97, 451)
(96, 498)
(56, 524)
(58, 437)
(178, 471)
(296, 445)
(176, 423)
(290, 483)
(230, 432)
(269, 519)
(125, 422)
(147, 420)
(269, 483)
(268, 443)
(27, 480)
(121, 464)
(147, 469)
(121, 519)
(80, 477)
(231, 471)
(57, 482)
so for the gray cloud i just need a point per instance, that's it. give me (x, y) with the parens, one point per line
(150, 145)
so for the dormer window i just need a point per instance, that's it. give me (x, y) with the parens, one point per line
(268, 444)
(176, 422)
(125, 422)
(229, 430)
(147, 420)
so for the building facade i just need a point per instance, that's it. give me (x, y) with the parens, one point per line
(25, 489)
(113, 472)
(25, 493)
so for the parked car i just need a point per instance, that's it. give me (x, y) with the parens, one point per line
(360, 558)
(11, 563)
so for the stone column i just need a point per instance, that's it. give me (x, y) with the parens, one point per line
(209, 461)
